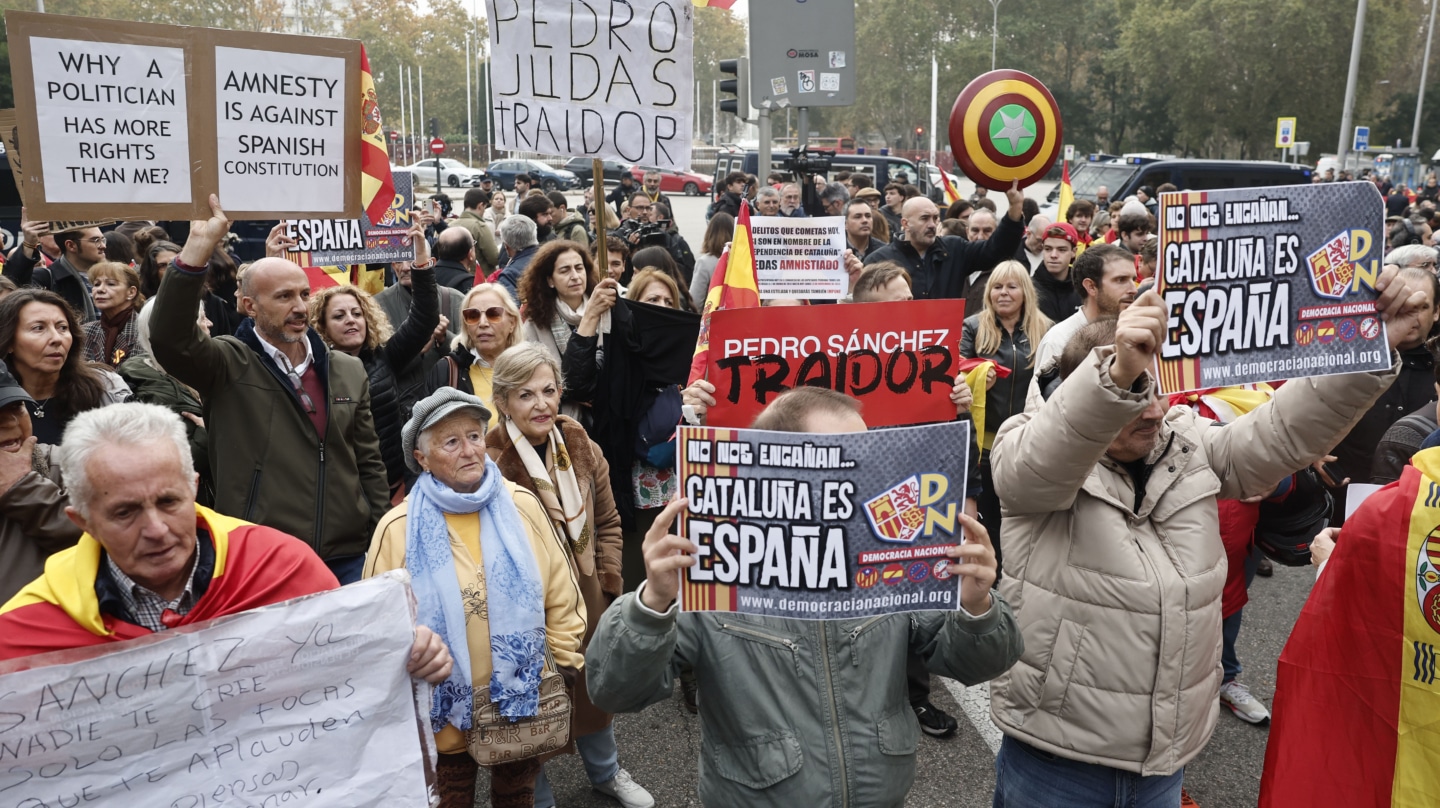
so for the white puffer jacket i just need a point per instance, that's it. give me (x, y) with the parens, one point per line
(1119, 606)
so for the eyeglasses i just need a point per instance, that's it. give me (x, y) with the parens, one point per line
(494, 314)
(300, 390)
(97, 240)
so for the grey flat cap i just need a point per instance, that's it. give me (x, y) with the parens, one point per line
(430, 411)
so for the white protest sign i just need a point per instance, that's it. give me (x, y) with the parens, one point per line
(608, 80)
(802, 258)
(113, 121)
(306, 702)
(281, 116)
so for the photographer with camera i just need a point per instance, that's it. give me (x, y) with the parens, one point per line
(650, 224)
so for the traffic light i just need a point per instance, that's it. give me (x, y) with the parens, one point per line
(919, 133)
(434, 127)
(739, 106)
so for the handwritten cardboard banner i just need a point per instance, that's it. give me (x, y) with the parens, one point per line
(140, 121)
(306, 702)
(338, 242)
(613, 81)
(800, 258)
(1264, 284)
(822, 526)
(899, 359)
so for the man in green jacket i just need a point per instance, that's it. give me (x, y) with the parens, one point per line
(292, 439)
(487, 252)
(797, 712)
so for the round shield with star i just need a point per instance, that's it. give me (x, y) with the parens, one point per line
(1005, 127)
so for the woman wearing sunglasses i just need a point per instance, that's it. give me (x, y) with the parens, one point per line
(491, 323)
(348, 319)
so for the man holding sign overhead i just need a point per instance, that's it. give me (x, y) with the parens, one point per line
(1113, 553)
(801, 712)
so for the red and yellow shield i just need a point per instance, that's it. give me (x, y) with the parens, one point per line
(1005, 127)
(896, 515)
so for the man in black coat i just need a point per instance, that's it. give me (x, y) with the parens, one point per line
(940, 266)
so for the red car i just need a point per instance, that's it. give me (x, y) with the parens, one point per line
(676, 182)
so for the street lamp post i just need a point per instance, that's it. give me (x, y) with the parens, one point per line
(1424, 71)
(1348, 110)
(994, 31)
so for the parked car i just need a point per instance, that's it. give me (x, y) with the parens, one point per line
(688, 183)
(452, 172)
(583, 169)
(550, 179)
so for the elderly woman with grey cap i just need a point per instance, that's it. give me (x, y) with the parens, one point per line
(490, 577)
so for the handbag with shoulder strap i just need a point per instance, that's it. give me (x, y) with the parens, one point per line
(494, 739)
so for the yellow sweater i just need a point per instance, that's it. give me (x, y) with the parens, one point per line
(564, 607)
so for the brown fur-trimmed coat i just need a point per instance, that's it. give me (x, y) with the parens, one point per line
(592, 472)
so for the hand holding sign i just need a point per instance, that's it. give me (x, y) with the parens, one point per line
(429, 658)
(665, 555)
(279, 241)
(975, 565)
(1138, 335)
(205, 236)
(602, 300)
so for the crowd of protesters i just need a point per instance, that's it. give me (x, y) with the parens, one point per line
(499, 420)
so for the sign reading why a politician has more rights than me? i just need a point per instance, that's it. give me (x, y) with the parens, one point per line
(304, 703)
(613, 81)
(899, 359)
(1264, 284)
(823, 526)
(127, 120)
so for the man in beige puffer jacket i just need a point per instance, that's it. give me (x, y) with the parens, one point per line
(1110, 508)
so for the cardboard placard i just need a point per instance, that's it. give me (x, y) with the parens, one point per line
(822, 527)
(306, 702)
(898, 359)
(1265, 284)
(141, 121)
(611, 81)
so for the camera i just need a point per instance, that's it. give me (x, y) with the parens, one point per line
(650, 233)
(804, 161)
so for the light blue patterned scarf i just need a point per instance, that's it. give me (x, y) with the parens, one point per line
(513, 592)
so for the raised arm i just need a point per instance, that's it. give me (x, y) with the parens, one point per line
(186, 352)
(983, 255)
(413, 334)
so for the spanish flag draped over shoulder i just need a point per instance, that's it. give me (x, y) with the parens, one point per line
(1356, 719)
(733, 286)
(377, 186)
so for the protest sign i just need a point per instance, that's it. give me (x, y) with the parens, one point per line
(802, 258)
(140, 121)
(899, 359)
(822, 526)
(338, 242)
(305, 702)
(611, 81)
(1264, 284)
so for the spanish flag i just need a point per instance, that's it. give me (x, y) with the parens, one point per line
(951, 195)
(1357, 697)
(977, 372)
(733, 286)
(377, 186)
(1067, 194)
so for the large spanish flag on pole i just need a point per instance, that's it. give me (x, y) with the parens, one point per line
(377, 186)
(733, 286)
(951, 194)
(1357, 698)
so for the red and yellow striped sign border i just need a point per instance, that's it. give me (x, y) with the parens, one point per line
(705, 596)
(1178, 375)
(970, 119)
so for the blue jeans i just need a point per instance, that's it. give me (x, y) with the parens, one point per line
(1026, 777)
(601, 759)
(347, 569)
(1230, 626)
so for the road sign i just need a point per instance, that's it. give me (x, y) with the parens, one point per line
(1284, 133)
(1069, 152)
(437, 145)
(1302, 148)
(1362, 138)
(802, 54)
(394, 135)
